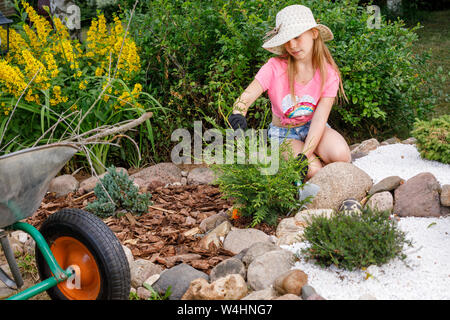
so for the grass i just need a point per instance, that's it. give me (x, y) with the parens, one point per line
(435, 34)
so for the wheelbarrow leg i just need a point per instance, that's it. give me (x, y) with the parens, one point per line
(18, 281)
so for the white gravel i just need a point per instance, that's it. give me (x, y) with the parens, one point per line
(425, 273)
(401, 160)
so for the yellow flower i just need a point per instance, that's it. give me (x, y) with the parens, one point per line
(42, 26)
(83, 84)
(12, 78)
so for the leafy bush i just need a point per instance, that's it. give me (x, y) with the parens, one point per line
(199, 56)
(353, 240)
(259, 194)
(433, 138)
(119, 188)
(68, 87)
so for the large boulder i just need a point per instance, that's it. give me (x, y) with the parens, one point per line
(418, 197)
(339, 181)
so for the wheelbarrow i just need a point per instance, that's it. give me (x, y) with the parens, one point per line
(77, 256)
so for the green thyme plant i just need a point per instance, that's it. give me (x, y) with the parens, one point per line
(119, 188)
(433, 138)
(352, 241)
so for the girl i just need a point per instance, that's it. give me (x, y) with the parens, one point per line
(302, 83)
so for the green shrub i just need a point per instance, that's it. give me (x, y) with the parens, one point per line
(123, 193)
(262, 196)
(433, 138)
(353, 240)
(199, 56)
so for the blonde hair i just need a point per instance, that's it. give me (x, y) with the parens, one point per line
(320, 56)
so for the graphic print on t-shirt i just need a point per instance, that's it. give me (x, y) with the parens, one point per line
(304, 106)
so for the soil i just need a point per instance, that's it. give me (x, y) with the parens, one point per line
(159, 235)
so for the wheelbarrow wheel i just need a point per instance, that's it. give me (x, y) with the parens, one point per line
(82, 241)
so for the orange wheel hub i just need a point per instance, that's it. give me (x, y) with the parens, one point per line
(84, 284)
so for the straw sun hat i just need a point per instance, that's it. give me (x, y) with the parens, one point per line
(291, 22)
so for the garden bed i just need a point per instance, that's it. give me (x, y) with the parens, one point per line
(159, 234)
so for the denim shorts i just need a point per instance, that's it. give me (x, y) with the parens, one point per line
(297, 133)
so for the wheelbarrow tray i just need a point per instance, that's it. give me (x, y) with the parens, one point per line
(25, 177)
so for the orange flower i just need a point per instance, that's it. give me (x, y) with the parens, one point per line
(235, 214)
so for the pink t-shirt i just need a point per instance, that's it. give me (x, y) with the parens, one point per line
(273, 77)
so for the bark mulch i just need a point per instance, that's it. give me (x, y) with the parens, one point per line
(168, 233)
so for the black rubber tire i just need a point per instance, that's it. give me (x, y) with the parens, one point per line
(101, 242)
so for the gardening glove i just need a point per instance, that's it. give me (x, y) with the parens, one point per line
(303, 170)
(237, 121)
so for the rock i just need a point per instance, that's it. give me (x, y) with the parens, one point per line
(304, 216)
(206, 241)
(231, 287)
(410, 140)
(264, 269)
(356, 155)
(151, 280)
(288, 296)
(63, 184)
(239, 239)
(287, 226)
(129, 255)
(381, 201)
(212, 221)
(387, 184)
(143, 293)
(257, 249)
(307, 291)
(418, 197)
(222, 230)
(140, 183)
(445, 195)
(141, 270)
(265, 294)
(354, 146)
(392, 140)
(291, 282)
(5, 292)
(366, 146)
(190, 221)
(315, 297)
(89, 184)
(339, 181)
(227, 267)
(159, 175)
(179, 279)
(201, 175)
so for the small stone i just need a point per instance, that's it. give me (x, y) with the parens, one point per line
(291, 282)
(141, 270)
(387, 184)
(151, 280)
(143, 293)
(410, 140)
(227, 267)
(381, 201)
(307, 291)
(445, 195)
(231, 287)
(63, 184)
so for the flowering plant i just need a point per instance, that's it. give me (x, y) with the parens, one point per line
(61, 86)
